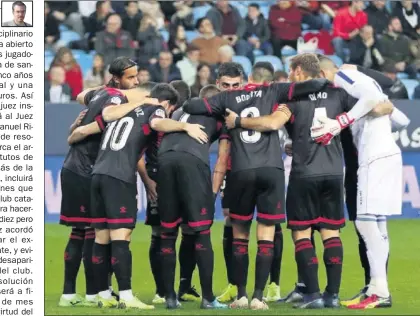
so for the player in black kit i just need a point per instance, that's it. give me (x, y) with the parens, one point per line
(257, 176)
(76, 178)
(315, 191)
(186, 196)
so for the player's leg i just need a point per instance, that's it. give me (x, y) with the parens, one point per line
(91, 292)
(273, 289)
(243, 192)
(187, 262)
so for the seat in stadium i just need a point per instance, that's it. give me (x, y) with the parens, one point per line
(63, 28)
(257, 52)
(402, 75)
(165, 35)
(410, 84)
(265, 10)
(241, 6)
(69, 36)
(245, 62)
(191, 35)
(274, 60)
(337, 60)
(288, 51)
(85, 61)
(200, 12)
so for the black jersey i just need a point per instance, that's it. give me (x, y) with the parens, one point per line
(153, 149)
(124, 141)
(252, 149)
(82, 155)
(309, 158)
(184, 143)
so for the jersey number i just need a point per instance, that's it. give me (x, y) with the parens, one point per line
(249, 136)
(117, 134)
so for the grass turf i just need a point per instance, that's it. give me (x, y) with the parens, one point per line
(404, 278)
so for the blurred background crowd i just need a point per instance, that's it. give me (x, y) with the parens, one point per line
(188, 39)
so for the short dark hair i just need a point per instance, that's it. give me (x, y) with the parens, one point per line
(165, 92)
(120, 64)
(199, 21)
(183, 90)
(280, 74)
(308, 62)
(144, 68)
(147, 86)
(262, 71)
(99, 4)
(18, 4)
(255, 5)
(209, 91)
(127, 3)
(389, 67)
(264, 64)
(231, 70)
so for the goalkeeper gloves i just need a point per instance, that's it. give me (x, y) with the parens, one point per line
(329, 128)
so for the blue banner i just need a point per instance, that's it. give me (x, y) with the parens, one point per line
(411, 188)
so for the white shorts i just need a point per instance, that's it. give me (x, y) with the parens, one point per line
(380, 187)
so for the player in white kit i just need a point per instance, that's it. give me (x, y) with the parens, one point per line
(379, 174)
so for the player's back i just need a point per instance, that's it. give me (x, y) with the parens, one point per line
(309, 158)
(124, 141)
(182, 142)
(82, 155)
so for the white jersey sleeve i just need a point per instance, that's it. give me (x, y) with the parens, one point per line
(399, 119)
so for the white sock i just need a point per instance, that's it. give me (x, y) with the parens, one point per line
(105, 294)
(377, 252)
(68, 296)
(90, 297)
(126, 295)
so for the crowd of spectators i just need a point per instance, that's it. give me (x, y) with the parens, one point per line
(375, 35)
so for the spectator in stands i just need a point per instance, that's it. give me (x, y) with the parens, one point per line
(311, 14)
(281, 76)
(409, 15)
(415, 49)
(152, 9)
(188, 65)
(113, 41)
(202, 79)
(364, 49)
(55, 89)
(73, 74)
(150, 41)
(285, 23)
(164, 70)
(108, 76)
(208, 42)
(398, 90)
(97, 21)
(329, 10)
(51, 29)
(225, 54)
(229, 24)
(86, 8)
(257, 31)
(378, 16)
(96, 76)
(183, 15)
(346, 26)
(131, 18)
(143, 75)
(67, 12)
(177, 43)
(395, 48)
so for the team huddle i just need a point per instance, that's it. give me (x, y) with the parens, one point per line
(331, 114)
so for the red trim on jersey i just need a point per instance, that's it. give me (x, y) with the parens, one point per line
(266, 246)
(207, 105)
(172, 224)
(292, 118)
(120, 220)
(100, 122)
(241, 217)
(271, 216)
(72, 236)
(229, 164)
(146, 129)
(291, 90)
(205, 232)
(200, 223)
(275, 107)
(241, 243)
(224, 136)
(98, 220)
(252, 86)
(318, 220)
(219, 125)
(332, 221)
(75, 219)
(113, 91)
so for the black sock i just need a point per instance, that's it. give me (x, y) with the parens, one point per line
(277, 256)
(187, 261)
(307, 263)
(168, 256)
(262, 266)
(72, 259)
(156, 264)
(364, 258)
(333, 259)
(110, 267)
(101, 262)
(121, 261)
(87, 261)
(205, 261)
(313, 239)
(241, 263)
(227, 251)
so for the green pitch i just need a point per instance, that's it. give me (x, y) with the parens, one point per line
(404, 273)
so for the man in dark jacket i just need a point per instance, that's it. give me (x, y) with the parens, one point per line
(229, 24)
(96, 21)
(257, 31)
(364, 49)
(131, 18)
(397, 91)
(67, 12)
(164, 70)
(378, 16)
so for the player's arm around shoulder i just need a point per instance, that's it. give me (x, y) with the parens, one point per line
(86, 95)
(84, 131)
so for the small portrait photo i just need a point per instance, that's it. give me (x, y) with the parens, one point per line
(16, 13)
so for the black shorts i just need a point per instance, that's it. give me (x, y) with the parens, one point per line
(316, 202)
(260, 187)
(185, 192)
(350, 185)
(224, 191)
(114, 203)
(75, 199)
(152, 215)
